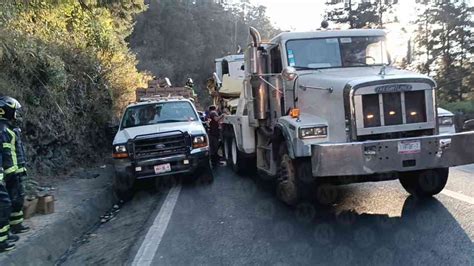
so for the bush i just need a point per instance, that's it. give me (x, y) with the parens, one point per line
(70, 66)
(466, 107)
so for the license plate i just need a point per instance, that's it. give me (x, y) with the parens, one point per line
(409, 147)
(162, 168)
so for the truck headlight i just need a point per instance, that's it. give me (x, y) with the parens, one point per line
(445, 121)
(120, 152)
(313, 132)
(199, 142)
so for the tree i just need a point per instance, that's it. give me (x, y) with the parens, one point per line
(181, 39)
(359, 13)
(444, 44)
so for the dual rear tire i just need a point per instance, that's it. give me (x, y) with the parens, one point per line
(233, 156)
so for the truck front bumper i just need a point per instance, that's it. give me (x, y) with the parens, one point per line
(180, 164)
(383, 156)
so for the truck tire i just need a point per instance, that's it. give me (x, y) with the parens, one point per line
(291, 188)
(236, 161)
(226, 143)
(123, 187)
(425, 183)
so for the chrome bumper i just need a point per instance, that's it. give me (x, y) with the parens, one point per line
(376, 157)
(196, 158)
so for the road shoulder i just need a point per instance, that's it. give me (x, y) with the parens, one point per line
(79, 203)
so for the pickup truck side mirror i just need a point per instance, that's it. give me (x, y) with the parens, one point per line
(112, 130)
(468, 125)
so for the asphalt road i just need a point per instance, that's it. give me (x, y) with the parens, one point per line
(238, 220)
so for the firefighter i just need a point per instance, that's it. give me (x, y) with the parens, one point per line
(13, 162)
(190, 85)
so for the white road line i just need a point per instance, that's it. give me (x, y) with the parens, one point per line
(153, 237)
(458, 196)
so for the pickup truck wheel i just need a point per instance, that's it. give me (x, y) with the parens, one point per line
(123, 187)
(293, 178)
(425, 183)
(205, 173)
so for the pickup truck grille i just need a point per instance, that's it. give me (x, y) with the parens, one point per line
(160, 145)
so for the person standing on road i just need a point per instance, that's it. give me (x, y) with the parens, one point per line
(8, 167)
(15, 187)
(214, 133)
(13, 164)
(190, 85)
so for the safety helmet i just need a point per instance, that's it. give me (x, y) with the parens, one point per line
(189, 82)
(9, 108)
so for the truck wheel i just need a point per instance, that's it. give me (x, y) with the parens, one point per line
(123, 187)
(425, 183)
(236, 160)
(227, 143)
(293, 183)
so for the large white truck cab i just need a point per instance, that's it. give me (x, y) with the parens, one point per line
(228, 77)
(326, 107)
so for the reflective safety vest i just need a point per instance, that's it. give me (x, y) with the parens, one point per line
(20, 152)
(8, 158)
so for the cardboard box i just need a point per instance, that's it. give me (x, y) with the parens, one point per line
(45, 204)
(29, 208)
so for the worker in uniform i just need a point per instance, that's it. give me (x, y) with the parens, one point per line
(11, 188)
(214, 133)
(190, 85)
(15, 187)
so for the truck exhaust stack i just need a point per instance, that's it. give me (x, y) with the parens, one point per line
(257, 69)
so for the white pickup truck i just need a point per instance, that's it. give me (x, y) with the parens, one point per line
(159, 137)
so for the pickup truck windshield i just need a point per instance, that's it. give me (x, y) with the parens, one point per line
(158, 113)
(337, 52)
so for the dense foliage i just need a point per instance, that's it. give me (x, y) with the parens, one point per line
(445, 46)
(181, 38)
(69, 64)
(360, 14)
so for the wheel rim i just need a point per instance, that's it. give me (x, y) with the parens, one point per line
(234, 152)
(287, 180)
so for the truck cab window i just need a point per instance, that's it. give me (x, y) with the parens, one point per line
(337, 52)
(225, 67)
(276, 64)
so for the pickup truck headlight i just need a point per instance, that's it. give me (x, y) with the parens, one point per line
(445, 121)
(199, 142)
(313, 132)
(120, 152)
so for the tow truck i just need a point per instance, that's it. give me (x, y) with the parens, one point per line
(324, 108)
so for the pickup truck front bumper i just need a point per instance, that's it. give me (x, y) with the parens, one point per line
(180, 164)
(384, 156)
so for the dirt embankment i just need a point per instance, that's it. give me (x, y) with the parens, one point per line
(63, 126)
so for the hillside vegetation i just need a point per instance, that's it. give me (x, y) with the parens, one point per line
(68, 63)
(181, 38)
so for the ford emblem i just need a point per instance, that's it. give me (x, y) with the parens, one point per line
(160, 146)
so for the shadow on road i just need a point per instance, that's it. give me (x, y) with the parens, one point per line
(425, 233)
(238, 220)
